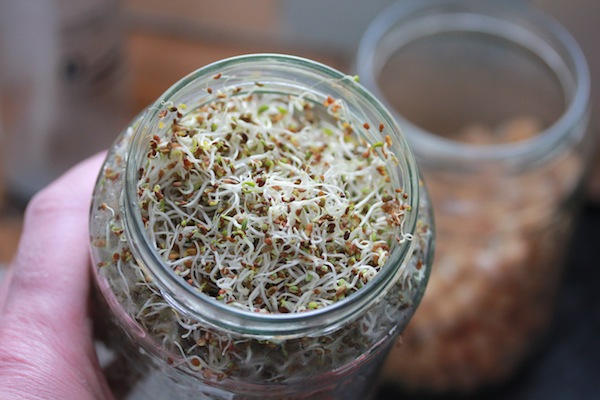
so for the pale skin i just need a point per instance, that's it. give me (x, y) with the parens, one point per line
(46, 348)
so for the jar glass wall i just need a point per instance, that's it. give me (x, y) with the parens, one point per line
(494, 100)
(188, 342)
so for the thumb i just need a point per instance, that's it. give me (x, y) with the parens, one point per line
(46, 348)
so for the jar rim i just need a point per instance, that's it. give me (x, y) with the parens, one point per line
(492, 13)
(223, 316)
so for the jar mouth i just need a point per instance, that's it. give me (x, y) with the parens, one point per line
(274, 72)
(403, 23)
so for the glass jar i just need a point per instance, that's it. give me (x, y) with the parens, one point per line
(188, 344)
(494, 99)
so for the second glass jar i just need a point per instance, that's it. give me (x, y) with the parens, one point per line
(494, 100)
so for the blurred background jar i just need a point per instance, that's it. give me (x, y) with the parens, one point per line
(63, 84)
(494, 100)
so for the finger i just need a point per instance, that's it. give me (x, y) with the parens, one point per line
(44, 331)
(50, 277)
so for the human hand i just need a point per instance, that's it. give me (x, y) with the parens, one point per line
(46, 347)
